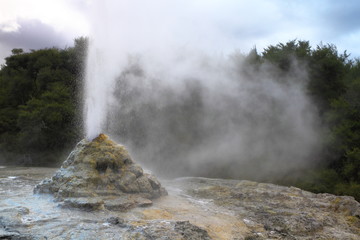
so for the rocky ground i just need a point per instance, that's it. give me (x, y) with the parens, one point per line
(195, 208)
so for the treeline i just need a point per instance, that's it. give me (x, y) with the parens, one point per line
(40, 108)
(39, 104)
(334, 85)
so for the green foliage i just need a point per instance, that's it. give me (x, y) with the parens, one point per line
(46, 122)
(349, 189)
(334, 85)
(320, 180)
(343, 119)
(327, 73)
(17, 51)
(324, 180)
(285, 55)
(38, 100)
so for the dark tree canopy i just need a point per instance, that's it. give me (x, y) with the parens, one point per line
(38, 101)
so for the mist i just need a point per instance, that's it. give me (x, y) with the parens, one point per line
(167, 80)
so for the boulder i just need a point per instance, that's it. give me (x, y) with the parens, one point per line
(101, 174)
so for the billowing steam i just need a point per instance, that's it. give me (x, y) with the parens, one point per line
(183, 108)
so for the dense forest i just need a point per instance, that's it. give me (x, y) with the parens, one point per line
(40, 108)
(39, 104)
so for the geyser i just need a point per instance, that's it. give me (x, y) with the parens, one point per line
(101, 174)
(161, 80)
(161, 32)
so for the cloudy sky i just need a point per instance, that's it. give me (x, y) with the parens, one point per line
(220, 25)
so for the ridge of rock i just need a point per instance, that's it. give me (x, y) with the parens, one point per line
(101, 174)
(196, 208)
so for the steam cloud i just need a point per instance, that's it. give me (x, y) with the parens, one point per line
(156, 84)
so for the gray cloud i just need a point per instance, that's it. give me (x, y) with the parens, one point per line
(245, 24)
(32, 34)
(326, 21)
(343, 17)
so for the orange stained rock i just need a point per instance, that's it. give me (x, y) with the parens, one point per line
(101, 137)
(220, 226)
(153, 214)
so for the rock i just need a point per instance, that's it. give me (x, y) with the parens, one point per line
(179, 230)
(87, 204)
(190, 231)
(97, 171)
(136, 169)
(144, 184)
(143, 202)
(196, 208)
(122, 203)
(11, 217)
(153, 181)
(10, 221)
(10, 235)
(281, 212)
(117, 221)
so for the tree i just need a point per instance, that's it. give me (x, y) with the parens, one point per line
(284, 55)
(344, 122)
(39, 97)
(327, 73)
(45, 123)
